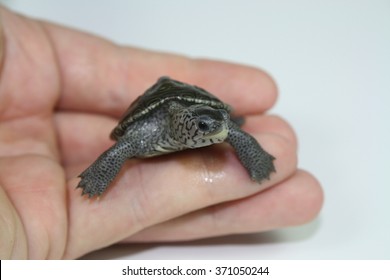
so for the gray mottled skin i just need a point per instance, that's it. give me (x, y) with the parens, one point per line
(255, 159)
(140, 140)
(173, 126)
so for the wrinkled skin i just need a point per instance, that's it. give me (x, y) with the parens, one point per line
(61, 93)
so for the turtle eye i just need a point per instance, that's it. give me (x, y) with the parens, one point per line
(203, 126)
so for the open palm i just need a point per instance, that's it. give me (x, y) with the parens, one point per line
(61, 93)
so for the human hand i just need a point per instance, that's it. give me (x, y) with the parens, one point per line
(62, 92)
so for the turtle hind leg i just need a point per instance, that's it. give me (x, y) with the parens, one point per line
(98, 176)
(253, 157)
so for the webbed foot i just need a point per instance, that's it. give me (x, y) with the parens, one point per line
(93, 182)
(97, 177)
(255, 159)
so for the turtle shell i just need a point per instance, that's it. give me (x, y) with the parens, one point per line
(165, 90)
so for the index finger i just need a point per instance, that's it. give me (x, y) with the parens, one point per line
(101, 77)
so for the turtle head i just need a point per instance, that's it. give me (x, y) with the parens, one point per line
(198, 125)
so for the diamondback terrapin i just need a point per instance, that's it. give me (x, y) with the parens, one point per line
(172, 116)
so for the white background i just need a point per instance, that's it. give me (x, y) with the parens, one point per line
(331, 60)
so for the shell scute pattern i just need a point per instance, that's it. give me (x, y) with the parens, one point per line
(163, 92)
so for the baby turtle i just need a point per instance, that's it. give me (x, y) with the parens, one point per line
(172, 116)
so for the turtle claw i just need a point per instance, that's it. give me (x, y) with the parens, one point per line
(90, 184)
(262, 168)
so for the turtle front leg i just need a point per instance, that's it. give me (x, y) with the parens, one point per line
(255, 159)
(97, 177)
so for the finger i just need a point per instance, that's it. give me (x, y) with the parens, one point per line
(101, 77)
(29, 88)
(147, 192)
(82, 137)
(35, 186)
(29, 75)
(11, 229)
(294, 201)
(31, 135)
